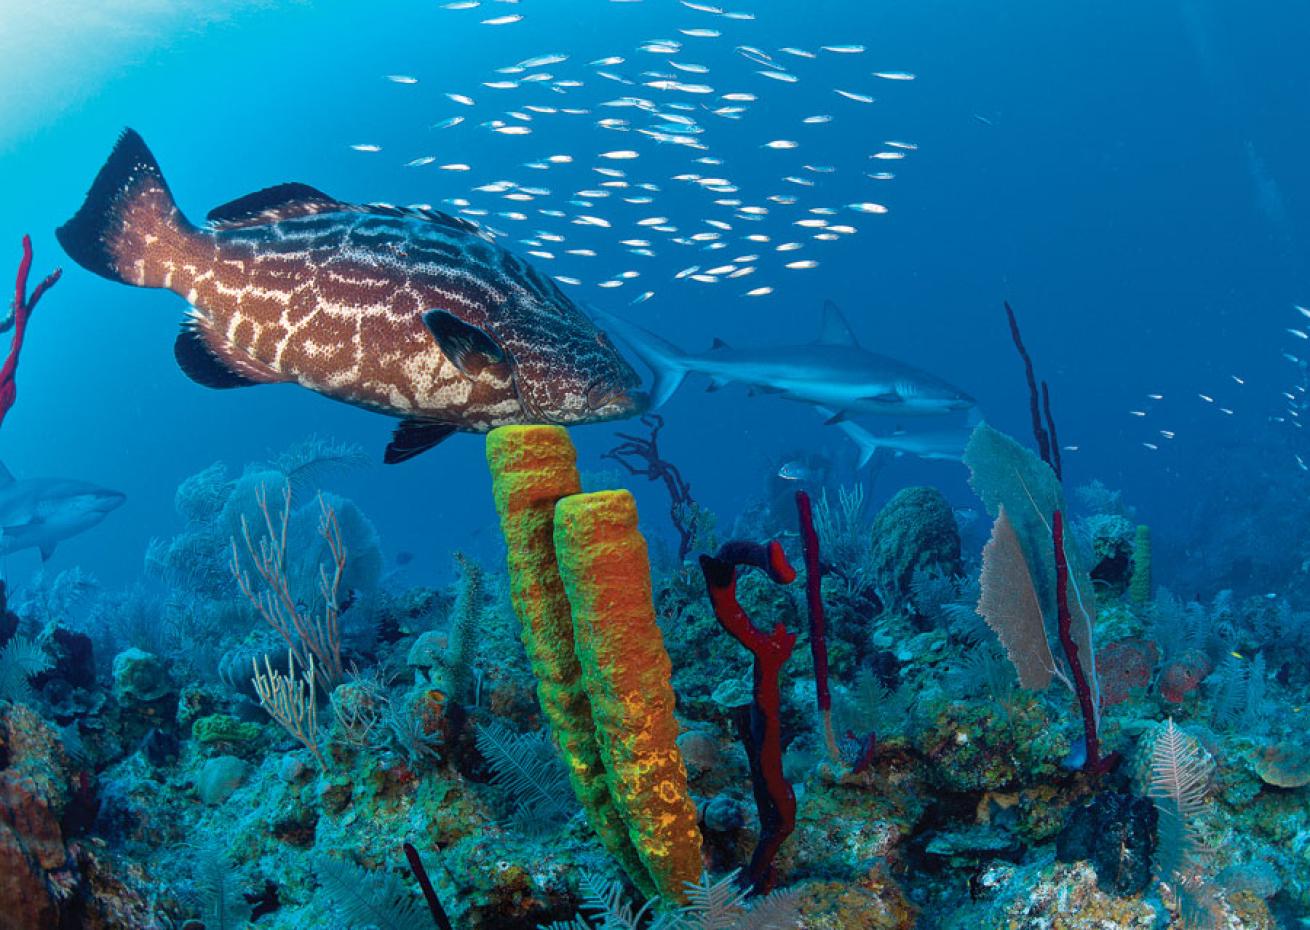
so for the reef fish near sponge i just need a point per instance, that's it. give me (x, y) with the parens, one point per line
(403, 311)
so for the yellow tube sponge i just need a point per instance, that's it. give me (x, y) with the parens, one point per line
(532, 467)
(626, 671)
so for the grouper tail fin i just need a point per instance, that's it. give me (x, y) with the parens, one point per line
(129, 225)
(667, 363)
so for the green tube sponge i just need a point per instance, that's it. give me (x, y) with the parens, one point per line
(533, 467)
(626, 671)
(1139, 587)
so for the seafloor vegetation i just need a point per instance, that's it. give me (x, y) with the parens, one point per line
(254, 731)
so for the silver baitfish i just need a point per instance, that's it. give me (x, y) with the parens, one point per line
(407, 312)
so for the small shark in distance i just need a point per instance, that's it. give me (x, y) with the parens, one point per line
(945, 444)
(40, 513)
(834, 372)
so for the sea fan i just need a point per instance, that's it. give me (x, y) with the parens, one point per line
(365, 898)
(306, 463)
(711, 905)
(527, 768)
(1180, 776)
(20, 659)
(222, 906)
(1009, 605)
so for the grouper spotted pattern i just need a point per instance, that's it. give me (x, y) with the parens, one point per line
(406, 312)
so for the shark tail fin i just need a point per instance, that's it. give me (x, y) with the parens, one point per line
(667, 363)
(128, 212)
(864, 440)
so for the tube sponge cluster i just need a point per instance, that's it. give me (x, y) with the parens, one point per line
(580, 584)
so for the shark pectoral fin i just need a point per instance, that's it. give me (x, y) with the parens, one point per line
(836, 418)
(414, 436)
(468, 347)
(718, 344)
(6, 478)
(716, 384)
(199, 363)
(47, 550)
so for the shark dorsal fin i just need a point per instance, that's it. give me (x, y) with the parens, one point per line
(6, 478)
(718, 344)
(834, 330)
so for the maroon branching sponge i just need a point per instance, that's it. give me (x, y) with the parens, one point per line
(1047, 445)
(1094, 765)
(439, 916)
(762, 732)
(23, 307)
(818, 626)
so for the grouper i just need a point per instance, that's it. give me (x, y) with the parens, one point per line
(404, 311)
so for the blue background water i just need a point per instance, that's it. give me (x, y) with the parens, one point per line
(1135, 186)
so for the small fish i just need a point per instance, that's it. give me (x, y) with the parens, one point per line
(461, 99)
(503, 20)
(448, 122)
(844, 49)
(1237, 379)
(1138, 413)
(700, 33)
(815, 120)
(779, 76)
(366, 147)
(780, 144)
(1299, 333)
(1167, 433)
(461, 5)
(804, 264)
(1152, 446)
(851, 95)
(1206, 397)
(621, 155)
(795, 471)
(894, 75)
(759, 292)
(1155, 396)
(402, 79)
(867, 207)
(456, 166)
(1304, 311)
(419, 162)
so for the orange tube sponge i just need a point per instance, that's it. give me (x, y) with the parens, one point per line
(626, 671)
(532, 467)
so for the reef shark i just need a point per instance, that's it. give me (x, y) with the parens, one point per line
(834, 371)
(40, 513)
(945, 444)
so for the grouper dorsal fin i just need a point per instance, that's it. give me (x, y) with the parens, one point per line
(294, 200)
(834, 330)
(280, 202)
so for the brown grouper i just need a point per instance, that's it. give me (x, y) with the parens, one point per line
(407, 312)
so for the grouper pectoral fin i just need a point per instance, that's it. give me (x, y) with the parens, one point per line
(199, 363)
(467, 346)
(414, 436)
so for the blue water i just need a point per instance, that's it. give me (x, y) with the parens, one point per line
(1112, 195)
